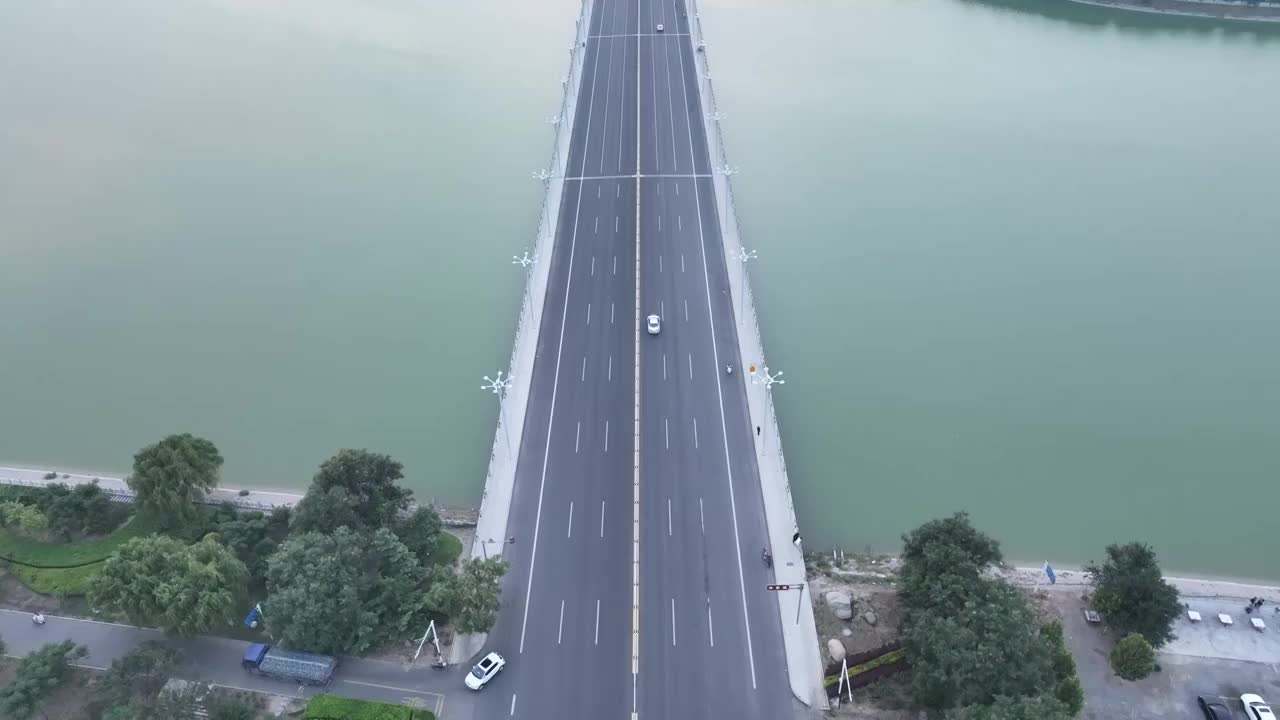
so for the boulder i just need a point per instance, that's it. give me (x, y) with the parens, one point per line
(841, 603)
(836, 650)
(870, 617)
(846, 632)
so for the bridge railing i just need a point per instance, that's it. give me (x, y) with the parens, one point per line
(739, 277)
(505, 450)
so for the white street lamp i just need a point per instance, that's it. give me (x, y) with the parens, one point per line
(525, 261)
(499, 386)
(727, 171)
(743, 256)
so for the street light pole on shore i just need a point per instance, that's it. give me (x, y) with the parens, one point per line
(498, 386)
(762, 376)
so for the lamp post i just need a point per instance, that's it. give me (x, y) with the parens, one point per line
(484, 545)
(499, 386)
(525, 261)
(762, 376)
(727, 172)
(743, 256)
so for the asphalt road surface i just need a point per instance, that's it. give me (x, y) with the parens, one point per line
(709, 640)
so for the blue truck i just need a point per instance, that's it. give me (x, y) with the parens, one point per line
(305, 668)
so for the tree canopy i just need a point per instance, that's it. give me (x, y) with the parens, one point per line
(987, 647)
(1133, 658)
(1131, 593)
(174, 474)
(420, 532)
(343, 592)
(1027, 707)
(185, 589)
(137, 676)
(471, 596)
(36, 677)
(356, 489)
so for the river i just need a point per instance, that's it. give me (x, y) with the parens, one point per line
(1017, 258)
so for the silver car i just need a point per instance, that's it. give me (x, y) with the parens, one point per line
(655, 325)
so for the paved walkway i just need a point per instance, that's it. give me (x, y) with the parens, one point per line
(118, 488)
(217, 661)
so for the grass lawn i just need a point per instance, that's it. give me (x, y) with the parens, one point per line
(65, 580)
(447, 550)
(332, 707)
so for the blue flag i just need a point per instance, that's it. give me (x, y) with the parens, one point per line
(1048, 570)
(252, 617)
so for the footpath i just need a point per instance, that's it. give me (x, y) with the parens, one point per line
(800, 638)
(119, 490)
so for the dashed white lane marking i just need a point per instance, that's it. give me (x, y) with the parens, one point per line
(681, 264)
(615, 226)
(711, 629)
(593, 264)
(659, 223)
(666, 432)
(606, 436)
(588, 313)
(577, 436)
(570, 533)
(513, 704)
(610, 378)
(659, 192)
(664, 366)
(662, 308)
(611, 309)
(690, 366)
(659, 263)
(597, 191)
(598, 621)
(631, 35)
(673, 622)
(601, 518)
(615, 264)
(617, 190)
(597, 227)
(702, 519)
(680, 222)
(686, 311)
(677, 188)
(668, 517)
(560, 632)
(584, 369)
(695, 432)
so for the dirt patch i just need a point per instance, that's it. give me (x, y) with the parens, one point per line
(13, 594)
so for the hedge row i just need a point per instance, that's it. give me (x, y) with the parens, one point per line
(332, 707)
(868, 667)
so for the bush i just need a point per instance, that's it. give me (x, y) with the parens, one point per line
(1133, 658)
(243, 493)
(84, 509)
(51, 476)
(1070, 693)
(230, 709)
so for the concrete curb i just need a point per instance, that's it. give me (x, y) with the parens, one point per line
(499, 486)
(799, 630)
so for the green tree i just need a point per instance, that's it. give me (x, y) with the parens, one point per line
(185, 589)
(84, 508)
(138, 675)
(990, 646)
(36, 677)
(370, 491)
(21, 516)
(253, 537)
(1025, 707)
(173, 475)
(1069, 692)
(420, 532)
(1132, 595)
(1133, 658)
(941, 562)
(343, 592)
(469, 597)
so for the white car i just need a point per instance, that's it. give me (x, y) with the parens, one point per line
(655, 325)
(659, 27)
(1255, 708)
(484, 670)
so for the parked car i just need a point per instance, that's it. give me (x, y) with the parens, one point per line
(1214, 708)
(1255, 708)
(484, 670)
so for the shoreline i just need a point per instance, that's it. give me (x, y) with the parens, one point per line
(1207, 9)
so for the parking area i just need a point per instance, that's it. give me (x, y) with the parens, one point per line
(1207, 659)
